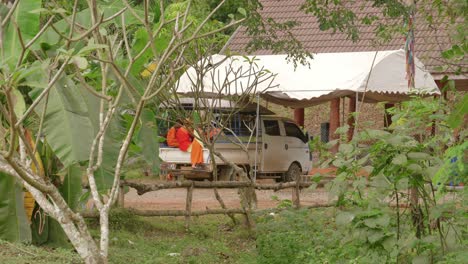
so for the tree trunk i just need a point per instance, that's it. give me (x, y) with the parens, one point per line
(104, 224)
(85, 246)
(74, 226)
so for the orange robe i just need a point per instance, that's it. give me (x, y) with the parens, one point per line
(186, 143)
(171, 138)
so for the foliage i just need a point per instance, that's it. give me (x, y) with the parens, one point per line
(408, 166)
(16, 253)
(72, 76)
(13, 220)
(212, 239)
(335, 236)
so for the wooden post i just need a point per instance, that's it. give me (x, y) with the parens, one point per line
(351, 118)
(334, 121)
(246, 201)
(296, 191)
(299, 116)
(188, 207)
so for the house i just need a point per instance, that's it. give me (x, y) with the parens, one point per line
(430, 41)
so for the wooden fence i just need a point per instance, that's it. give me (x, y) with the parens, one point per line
(246, 194)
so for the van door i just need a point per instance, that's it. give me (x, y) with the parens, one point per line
(273, 155)
(297, 145)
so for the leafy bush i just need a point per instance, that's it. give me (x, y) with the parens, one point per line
(351, 236)
(303, 236)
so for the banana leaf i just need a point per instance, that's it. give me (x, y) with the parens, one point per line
(46, 230)
(84, 18)
(14, 225)
(115, 133)
(148, 139)
(71, 187)
(67, 124)
(28, 25)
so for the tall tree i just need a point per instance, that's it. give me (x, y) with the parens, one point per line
(68, 73)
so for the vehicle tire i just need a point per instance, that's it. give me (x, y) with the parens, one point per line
(225, 173)
(293, 173)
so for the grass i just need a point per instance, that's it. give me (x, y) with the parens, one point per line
(291, 236)
(25, 254)
(211, 239)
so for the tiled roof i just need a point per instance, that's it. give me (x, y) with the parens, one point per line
(429, 41)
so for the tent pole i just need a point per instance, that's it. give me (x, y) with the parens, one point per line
(256, 137)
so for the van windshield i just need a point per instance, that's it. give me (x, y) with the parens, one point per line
(292, 130)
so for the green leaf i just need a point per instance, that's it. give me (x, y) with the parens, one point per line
(397, 140)
(332, 143)
(111, 9)
(18, 102)
(380, 181)
(112, 141)
(376, 134)
(80, 62)
(242, 11)
(344, 218)
(71, 188)
(460, 110)
(67, 123)
(91, 47)
(148, 139)
(377, 222)
(140, 40)
(342, 130)
(375, 236)
(345, 148)
(389, 243)
(14, 225)
(418, 156)
(28, 24)
(56, 236)
(39, 10)
(416, 168)
(83, 18)
(422, 259)
(402, 184)
(35, 75)
(448, 54)
(156, 13)
(399, 159)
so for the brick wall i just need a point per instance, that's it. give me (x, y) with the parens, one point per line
(372, 115)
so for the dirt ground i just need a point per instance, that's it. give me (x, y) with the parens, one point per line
(174, 199)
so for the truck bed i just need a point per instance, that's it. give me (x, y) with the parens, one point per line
(230, 151)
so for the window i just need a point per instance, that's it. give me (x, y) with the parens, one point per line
(271, 127)
(240, 125)
(293, 131)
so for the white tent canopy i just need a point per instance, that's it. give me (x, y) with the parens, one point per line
(381, 75)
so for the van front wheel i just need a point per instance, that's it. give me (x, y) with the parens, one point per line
(293, 173)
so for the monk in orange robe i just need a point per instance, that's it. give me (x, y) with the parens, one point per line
(189, 143)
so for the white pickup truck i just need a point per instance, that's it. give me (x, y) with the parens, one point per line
(282, 153)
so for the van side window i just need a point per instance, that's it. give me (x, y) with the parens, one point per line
(272, 127)
(293, 131)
